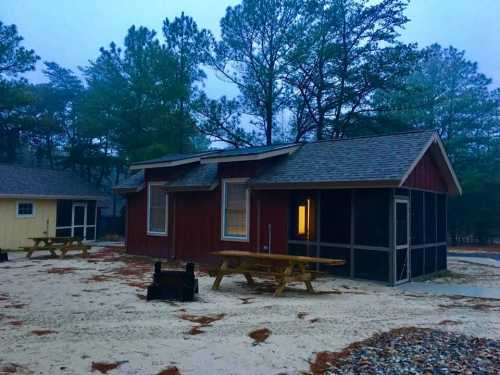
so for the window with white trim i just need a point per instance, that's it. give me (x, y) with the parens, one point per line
(157, 209)
(235, 207)
(25, 209)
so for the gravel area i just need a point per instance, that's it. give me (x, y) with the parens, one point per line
(413, 351)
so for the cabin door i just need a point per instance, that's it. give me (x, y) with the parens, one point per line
(78, 220)
(402, 240)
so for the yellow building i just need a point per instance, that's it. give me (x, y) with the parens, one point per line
(44, 203)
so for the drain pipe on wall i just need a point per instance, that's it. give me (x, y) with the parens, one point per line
(269, 231)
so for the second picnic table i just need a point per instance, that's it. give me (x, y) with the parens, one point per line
(53, 244)
(284, 268)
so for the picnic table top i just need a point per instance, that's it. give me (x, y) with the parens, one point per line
(279, 257)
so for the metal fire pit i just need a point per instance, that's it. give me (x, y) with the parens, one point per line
(173, 285)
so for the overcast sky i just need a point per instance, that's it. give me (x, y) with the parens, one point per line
(71, 32)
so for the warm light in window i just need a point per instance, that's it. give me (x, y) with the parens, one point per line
(302, 220)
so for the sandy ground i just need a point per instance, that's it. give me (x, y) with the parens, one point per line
(59, 316)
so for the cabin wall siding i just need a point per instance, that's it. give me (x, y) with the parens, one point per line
(426, 176)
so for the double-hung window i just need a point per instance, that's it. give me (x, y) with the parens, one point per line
(25, 209)
(235, 210)
(157, 209)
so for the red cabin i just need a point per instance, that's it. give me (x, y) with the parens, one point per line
(377, 202)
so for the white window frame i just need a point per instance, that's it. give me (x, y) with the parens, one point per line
(226, 181)
(21, 216)
(149, 232)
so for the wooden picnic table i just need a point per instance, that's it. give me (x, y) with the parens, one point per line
(283, 268)
(53, 244)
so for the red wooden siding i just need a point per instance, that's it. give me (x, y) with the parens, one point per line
(195, 221)
(426, 175)
(138, 241)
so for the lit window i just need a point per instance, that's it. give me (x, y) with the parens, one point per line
(235, 205)
(302, 220)
(305, 219)
(25, 209)
(157, 209)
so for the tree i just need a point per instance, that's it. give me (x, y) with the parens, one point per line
(14, 58)
(346, 50)
(446, 92)
(256, 39)
(15, 94)
(134, 93)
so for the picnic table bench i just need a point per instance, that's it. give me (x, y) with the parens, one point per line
(53, 244)
(283, 268)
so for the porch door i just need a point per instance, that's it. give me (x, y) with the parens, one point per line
(402, 240)
(78, 220)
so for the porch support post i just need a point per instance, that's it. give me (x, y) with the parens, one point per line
(318, 226)
(392, 245)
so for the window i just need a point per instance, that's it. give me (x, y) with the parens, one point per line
(235, 207)
(25, 209)
(157, 209)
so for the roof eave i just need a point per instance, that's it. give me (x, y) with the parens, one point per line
(393, 183)
(256, 156)
(128, 190)
(62, 197)
(191, 188)
(164, 164)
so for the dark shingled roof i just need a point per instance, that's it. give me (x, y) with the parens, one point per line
(363, 159)
(132, 182)
(247, 150)
(37, 182)
(202, 176)
(173, 157)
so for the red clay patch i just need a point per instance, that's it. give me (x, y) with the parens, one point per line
(11, 368)
(260, 335)
(202, 320)
(104, 367)
(99, 278)
(42, 332)
(170, 371)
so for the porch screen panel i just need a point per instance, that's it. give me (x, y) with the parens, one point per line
(417, 262)
(430, 260)
(64, 212)
(441, 218)
(371, 209)
(336, 216)
(235, 210)
(331, 252)
(430, 217)
(91, 213)
(300, 249)
(157, 210)
(441, 258)
(417, 217)
(372, 265)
